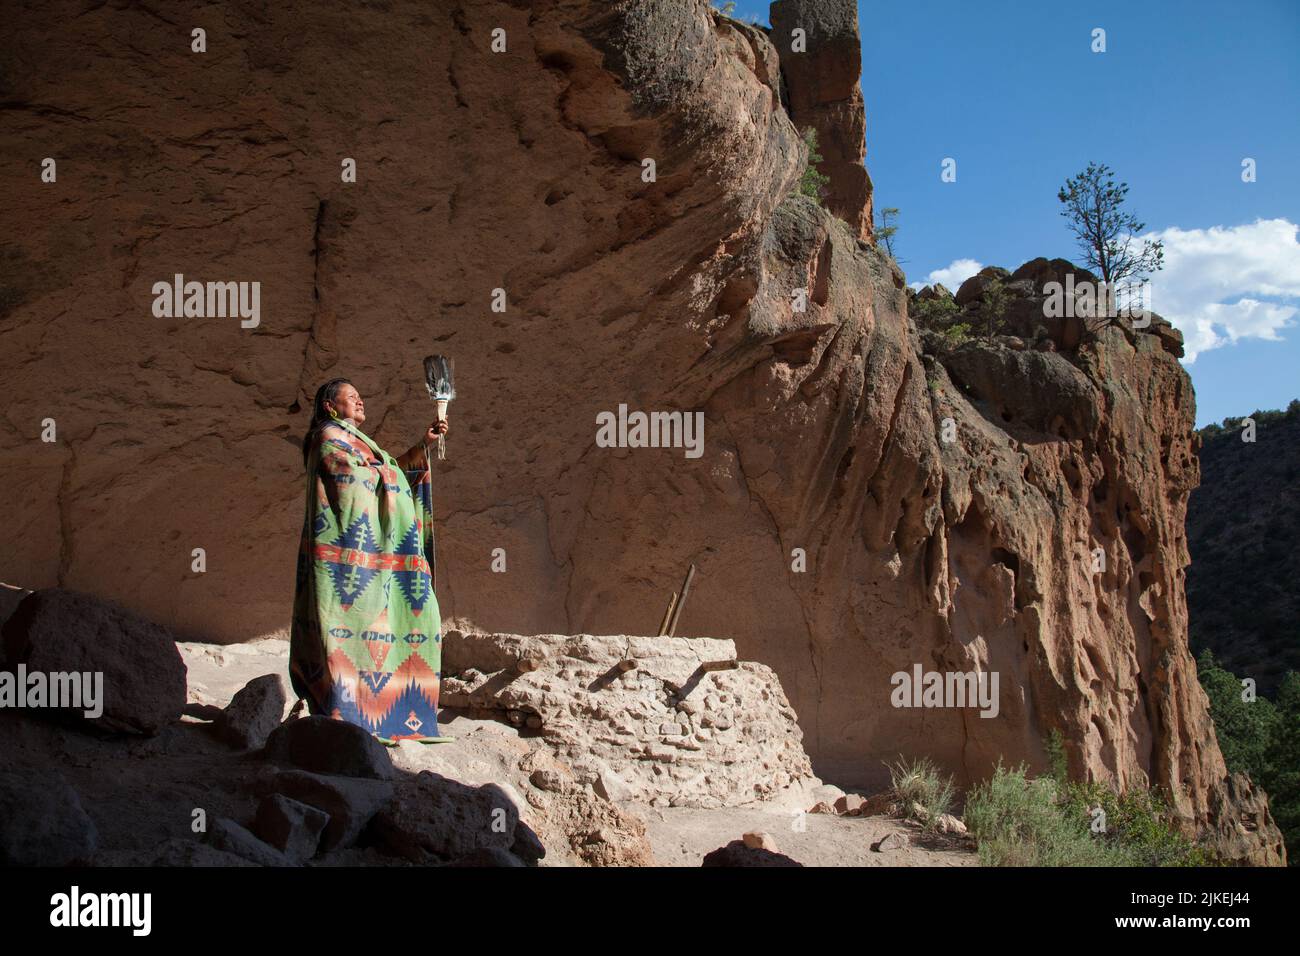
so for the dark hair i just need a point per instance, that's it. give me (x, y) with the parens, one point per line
(320, 415)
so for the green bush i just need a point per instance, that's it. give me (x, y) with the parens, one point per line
(934, 313)
(813, 183)
(924, 794)
(1260, 738)
(1019, 820)
(957, 333)
(1245, 729)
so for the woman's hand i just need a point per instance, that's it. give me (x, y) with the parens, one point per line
(439, 427)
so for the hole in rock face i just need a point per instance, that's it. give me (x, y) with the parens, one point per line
(1003, 556)
(557, 61)
(295, 408)
(1136, 543)
(1101, 491)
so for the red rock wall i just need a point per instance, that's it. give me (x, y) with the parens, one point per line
(522, 170)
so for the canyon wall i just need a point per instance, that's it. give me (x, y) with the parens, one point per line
(522, 170)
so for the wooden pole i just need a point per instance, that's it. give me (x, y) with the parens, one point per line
(686, 589)
(668, 615)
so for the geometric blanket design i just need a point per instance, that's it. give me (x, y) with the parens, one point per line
(366, 641)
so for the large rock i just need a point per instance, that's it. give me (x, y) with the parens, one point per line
(290, 826)
(739, 853)
(432, 816)
(58, 631)
(229, 837)
(325, 745)
(350, 802)
(253, 713)
(1241, 827)
(42, 822)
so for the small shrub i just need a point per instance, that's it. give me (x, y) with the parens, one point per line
(1044, 821)
(1056, 758)
(957, 333)
(918, 786)
(1016, 821)
(933, 313)
(813, 183)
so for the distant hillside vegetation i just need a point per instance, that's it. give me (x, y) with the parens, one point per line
(1243, 526)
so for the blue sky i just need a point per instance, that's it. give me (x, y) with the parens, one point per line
(1184, 92)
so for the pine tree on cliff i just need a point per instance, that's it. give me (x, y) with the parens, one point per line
(887, 229)
(1107, 234)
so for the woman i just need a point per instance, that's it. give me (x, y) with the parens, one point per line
(366, 645)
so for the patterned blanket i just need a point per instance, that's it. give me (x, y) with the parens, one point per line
(366, 645)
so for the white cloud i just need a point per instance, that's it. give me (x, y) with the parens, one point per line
(1216, 281)
(952, 275)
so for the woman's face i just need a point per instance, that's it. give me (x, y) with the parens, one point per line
(348, 404)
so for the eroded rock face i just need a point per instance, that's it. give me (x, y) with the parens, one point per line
(822, 66)
(522, 171)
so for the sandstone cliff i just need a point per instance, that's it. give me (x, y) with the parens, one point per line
(522, 170)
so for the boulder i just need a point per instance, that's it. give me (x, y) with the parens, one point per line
(528, 845)
(350, 802)
(758, 840)
(947, 823)
(878, 804)
(64, 631)
(325, 745)
(42, 822)
(850, 804)
(971, 291)
(292, 827)
(736, 853)
(229, 836)
(936, 291)
(1041, 271)
(434, 816)
(253, 713)
(891, 841)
